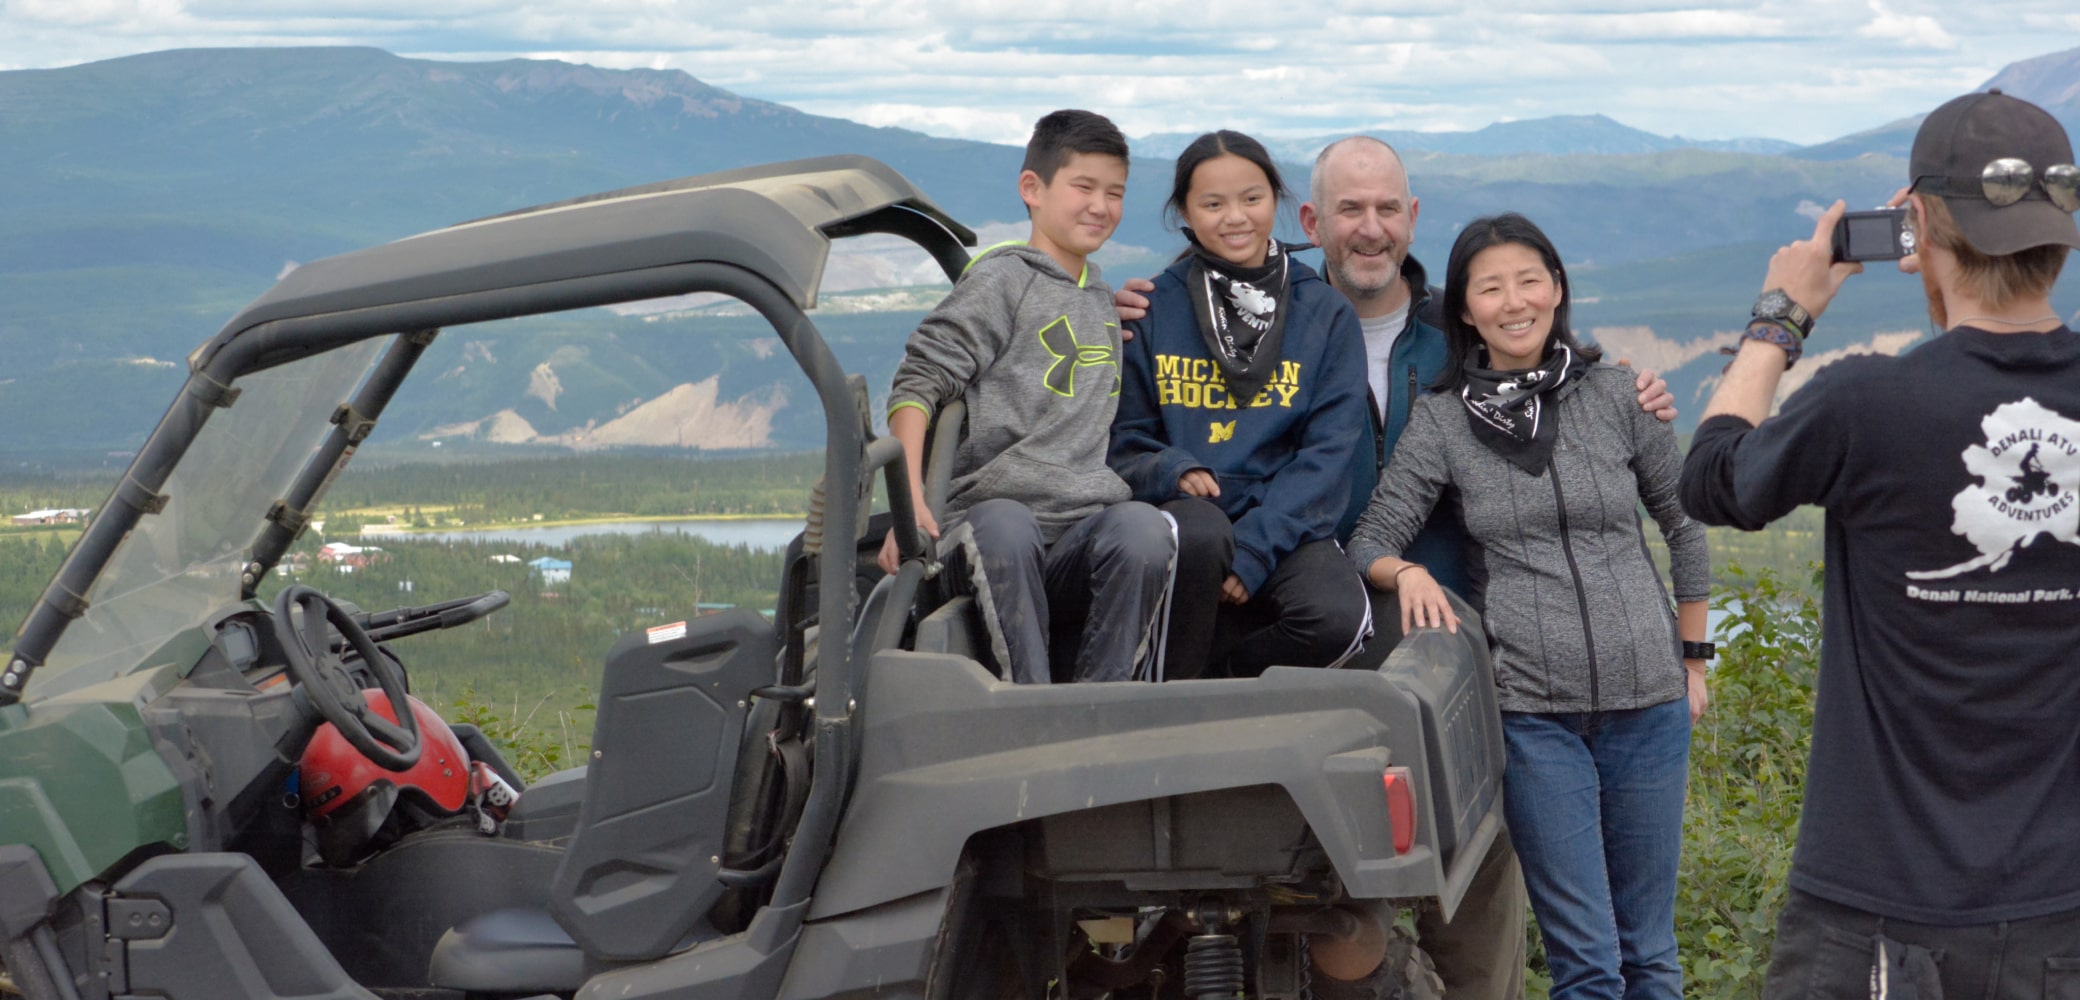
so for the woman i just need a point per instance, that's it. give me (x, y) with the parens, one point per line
(1243, 397)
(1550, 457)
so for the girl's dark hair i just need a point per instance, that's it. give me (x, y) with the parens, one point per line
(1225, 142)
(1460, 338)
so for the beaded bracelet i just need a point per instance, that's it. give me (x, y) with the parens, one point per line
(1777, 332)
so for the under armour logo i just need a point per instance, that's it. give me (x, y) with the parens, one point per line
(1222, 432)
(1060, 341)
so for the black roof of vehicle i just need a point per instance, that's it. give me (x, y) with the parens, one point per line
(775, 220)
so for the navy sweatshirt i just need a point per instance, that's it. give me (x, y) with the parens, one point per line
(1944, 785)
(1281, 458)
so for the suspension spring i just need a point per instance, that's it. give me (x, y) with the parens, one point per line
(1213, 967)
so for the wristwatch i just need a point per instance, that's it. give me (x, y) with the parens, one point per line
(1699, 650)
(1776, 304)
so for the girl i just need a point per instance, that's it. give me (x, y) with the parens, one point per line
(1242, 400)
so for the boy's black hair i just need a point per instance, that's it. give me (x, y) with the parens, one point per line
(1062, 134)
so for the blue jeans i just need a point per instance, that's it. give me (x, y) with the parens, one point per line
(1595, 806)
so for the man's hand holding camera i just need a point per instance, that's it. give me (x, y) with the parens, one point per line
(1807, 271)
(1801, 283)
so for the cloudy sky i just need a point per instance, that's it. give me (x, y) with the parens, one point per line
(1803, 70)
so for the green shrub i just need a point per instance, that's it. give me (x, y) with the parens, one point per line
(537, 745)
(1747, 780)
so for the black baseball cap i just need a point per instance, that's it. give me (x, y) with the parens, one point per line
(1959, 139)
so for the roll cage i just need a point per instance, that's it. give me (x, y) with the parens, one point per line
(761, 235)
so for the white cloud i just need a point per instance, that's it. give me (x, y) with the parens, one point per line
(960, 123)
(986, 68)
(1918, 31)
(1656, 25)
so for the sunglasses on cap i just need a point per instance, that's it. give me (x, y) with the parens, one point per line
(2008, 180)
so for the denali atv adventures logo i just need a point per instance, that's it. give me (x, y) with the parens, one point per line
(2029, 484)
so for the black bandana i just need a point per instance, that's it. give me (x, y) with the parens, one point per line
(1507, 410)
(1242, 315)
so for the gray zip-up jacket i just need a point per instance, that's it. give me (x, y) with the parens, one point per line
(1035, 351)
(1577, 617)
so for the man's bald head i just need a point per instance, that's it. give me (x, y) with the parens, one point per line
(1367, 155)
(1362, 213)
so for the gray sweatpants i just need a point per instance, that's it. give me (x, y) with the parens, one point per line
(1086, 608)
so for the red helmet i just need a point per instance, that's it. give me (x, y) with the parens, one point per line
(358, 805)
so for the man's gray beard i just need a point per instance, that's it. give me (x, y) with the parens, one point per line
(1341, 277)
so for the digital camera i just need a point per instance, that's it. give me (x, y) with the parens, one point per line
(1879, 234)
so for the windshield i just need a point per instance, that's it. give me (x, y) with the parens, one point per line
(179, 566)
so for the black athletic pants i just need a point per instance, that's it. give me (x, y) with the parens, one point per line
(1083, 608)
(1311, 612)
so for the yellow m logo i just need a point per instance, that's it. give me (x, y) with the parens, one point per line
(1222, 432)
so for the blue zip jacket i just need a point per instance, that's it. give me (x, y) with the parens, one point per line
(1281, 459)
(1414, 363)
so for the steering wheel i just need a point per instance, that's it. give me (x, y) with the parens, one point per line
(325, 682)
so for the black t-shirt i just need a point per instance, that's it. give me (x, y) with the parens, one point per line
(1944, 784)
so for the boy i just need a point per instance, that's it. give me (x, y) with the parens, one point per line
(1039, 528)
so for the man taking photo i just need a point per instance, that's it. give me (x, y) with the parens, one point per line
(1935, 848)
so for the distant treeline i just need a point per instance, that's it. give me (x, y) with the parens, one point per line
(1786, 548)
(646, 484)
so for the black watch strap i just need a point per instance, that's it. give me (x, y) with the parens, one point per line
(1776, 304)
(1699, 650)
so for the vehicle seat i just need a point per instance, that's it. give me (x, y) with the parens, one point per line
(641, 871)
(518, 951)
(946, 625)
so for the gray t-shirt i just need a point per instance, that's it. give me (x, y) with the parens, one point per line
(1380, 334)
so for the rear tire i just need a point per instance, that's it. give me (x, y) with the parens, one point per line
(1405, 974)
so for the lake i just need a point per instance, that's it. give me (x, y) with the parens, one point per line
(765, 534)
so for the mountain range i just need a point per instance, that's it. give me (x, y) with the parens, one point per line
(1563, 135)
(147, 198)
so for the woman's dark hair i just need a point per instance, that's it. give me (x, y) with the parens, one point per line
(1460, 338)
(1212, 145)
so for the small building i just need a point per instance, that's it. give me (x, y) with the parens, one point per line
(52, 515)
(552, 570)
(504, 557)
(346, 557)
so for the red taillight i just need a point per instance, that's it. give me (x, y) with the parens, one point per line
(1401, 808)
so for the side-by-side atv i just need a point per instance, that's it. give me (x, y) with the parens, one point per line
(212, 790)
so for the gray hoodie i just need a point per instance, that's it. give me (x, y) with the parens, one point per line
(1035, 352)
(1577, 615)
